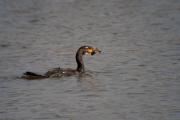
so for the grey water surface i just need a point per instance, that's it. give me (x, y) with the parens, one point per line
(137, 76)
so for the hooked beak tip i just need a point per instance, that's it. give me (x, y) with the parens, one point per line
(96, 50)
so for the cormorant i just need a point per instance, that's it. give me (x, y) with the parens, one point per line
(59, 72)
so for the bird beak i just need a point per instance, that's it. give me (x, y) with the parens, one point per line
(96, 50)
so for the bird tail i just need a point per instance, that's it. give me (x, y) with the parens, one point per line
(32, 76)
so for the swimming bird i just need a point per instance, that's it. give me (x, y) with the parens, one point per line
(60, 72)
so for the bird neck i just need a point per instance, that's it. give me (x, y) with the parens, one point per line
(79, 60)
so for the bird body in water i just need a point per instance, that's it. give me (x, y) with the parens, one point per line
(59, 72)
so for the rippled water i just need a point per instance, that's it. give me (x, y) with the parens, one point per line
(137, 76)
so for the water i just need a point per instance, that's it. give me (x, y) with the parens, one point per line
(135, 78)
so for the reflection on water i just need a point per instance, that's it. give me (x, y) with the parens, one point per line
(136, 76)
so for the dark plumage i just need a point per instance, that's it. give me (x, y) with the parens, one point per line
(59, 72)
